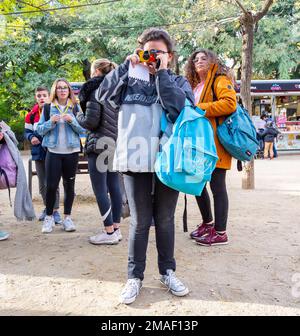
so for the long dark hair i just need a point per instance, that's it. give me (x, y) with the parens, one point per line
(190, 70)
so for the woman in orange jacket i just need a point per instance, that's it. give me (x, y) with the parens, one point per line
(212, 83)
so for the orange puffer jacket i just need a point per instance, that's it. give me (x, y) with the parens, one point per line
(224, 105)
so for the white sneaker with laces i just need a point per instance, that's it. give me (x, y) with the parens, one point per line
(131, 291)
(68, 225)
(119, 234)
(104, 239)
(174, 285)
(48, 224)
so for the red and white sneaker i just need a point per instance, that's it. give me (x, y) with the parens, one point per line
(201, 230)
(212, 238)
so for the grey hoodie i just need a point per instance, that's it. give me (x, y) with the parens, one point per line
(140, 105)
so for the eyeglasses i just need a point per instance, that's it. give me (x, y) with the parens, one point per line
(64, 88)
(196, 60)
(157, 51)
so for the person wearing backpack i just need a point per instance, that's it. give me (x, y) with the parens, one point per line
(61, 136)
(212, 83)
(38, 153)
(12, 174)
(139, 101)
(269, 135)
(102, 126)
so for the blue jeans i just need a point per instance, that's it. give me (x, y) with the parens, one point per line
(148, 198)
(103, 183)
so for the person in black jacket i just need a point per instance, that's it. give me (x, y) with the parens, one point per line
(101, 123)
(269, 135)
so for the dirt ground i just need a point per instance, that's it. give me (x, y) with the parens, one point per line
(256, 274)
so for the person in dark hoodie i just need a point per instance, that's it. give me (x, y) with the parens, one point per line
(140, 93)
(38, 153)
(269, 135)
(101, 124)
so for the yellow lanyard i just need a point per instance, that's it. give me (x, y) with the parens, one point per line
(65, 110)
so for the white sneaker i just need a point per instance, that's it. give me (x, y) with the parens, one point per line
(174, 285)
(131, 291)
(68, 225)
(119, 234)
(104, 239)
(48, 224)
(4, 235)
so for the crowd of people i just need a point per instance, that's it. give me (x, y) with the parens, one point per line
(114, 109)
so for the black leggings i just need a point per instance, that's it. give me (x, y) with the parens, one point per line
(57, 166)
(103, 182)
(218, 188)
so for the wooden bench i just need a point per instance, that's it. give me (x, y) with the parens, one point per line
(81, 169)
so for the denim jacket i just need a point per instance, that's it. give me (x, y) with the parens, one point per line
(49, 130)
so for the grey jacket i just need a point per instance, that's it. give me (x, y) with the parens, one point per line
(140, 105)
(23, 208)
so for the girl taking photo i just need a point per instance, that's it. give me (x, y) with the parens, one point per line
(139, 103)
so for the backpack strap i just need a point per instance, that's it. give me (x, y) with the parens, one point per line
(47, 112)
(75, 110)
(215, 96)
(32, 116)
(3, 172)
(185, 227)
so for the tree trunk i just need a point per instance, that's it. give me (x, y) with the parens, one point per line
(86, 69)
(247, 22)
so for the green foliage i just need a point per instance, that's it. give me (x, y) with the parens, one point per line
(36, 48)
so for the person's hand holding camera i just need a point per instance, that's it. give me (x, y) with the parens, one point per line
(134, 58)
(163, 61)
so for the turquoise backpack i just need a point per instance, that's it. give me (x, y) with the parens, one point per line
(237, 134)
(187, 155)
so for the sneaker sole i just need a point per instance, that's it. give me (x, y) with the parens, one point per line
(128, 301)
(215, 244)
(4, 238)
(104, 243)
(46, 231)
(72, 230)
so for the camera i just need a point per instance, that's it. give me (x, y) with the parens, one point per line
(147, 55)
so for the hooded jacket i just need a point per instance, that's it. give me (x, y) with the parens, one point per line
(101, 122)
(31, 121)
(139, 105)
(269, 134)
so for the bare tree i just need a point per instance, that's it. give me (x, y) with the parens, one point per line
(249, 22)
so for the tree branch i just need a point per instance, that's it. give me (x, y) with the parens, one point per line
(263, 12)
(28, 4)
(242, 7)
